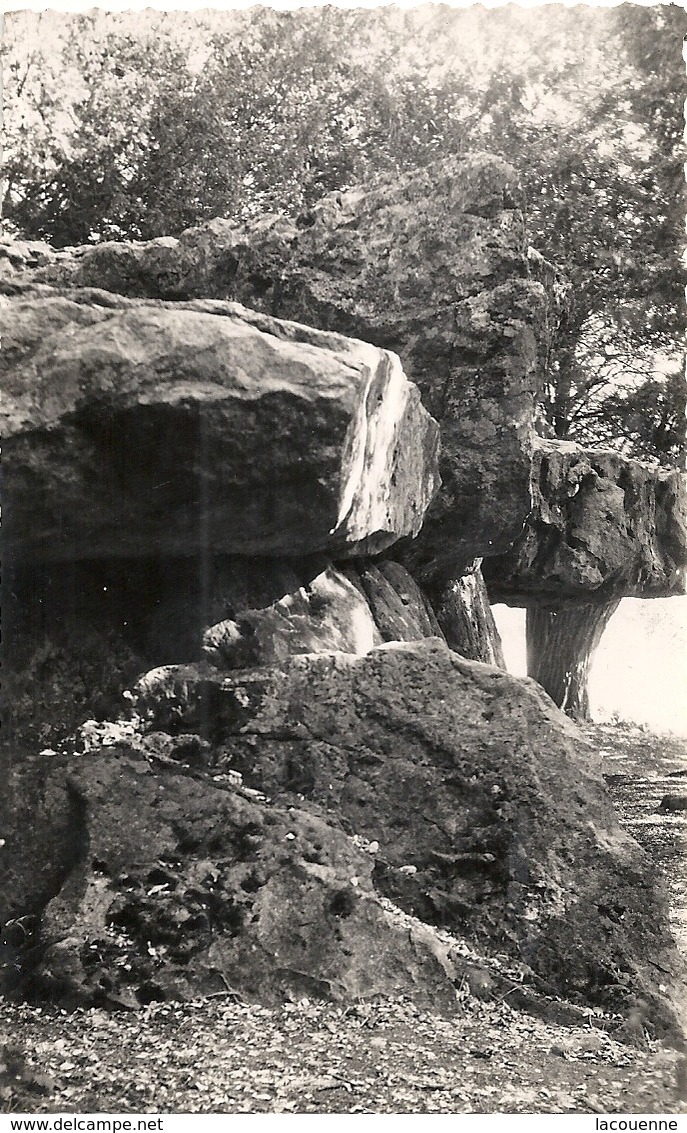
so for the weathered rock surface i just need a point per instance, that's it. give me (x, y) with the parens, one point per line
(561, 643)
(143, 429)
(461, 614)
(20, 256)
(39, 824)
(400, 609)
(468, 625)
(170, 884)
(432, 265)
(330, 615)
(490, 816)
(602, 527)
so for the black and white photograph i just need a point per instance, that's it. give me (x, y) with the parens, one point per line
(343, 745)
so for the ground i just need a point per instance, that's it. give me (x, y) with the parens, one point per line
(222, 1056)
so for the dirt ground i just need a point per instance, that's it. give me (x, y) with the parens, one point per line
(221, 1056)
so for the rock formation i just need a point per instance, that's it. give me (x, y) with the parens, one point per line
(464, 614)
(248, 507)
(329, 616)
(400, 609)
(602, 527)
(253, 832)
(167, 884)
(131, 429)
(432, 265)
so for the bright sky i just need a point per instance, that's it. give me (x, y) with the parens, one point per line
(640, 668)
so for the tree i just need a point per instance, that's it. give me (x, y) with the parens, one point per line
(603, 174)
(162, 134)
(644, 420)
(154, 131)
(628, 281)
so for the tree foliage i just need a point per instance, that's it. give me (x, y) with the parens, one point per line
(604, 179)
(139, 126)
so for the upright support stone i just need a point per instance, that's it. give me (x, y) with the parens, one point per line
(464, 614)
(560, 646)
(400, 609)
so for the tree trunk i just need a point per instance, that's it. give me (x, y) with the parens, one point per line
(560, 647)
(465, 616)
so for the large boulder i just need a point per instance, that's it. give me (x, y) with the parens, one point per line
(162, 882)
(432, 265)
(602, 527)
(336, 808)
(485, 803)
(151, 429)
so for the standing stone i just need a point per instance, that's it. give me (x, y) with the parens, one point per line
(560, 647)
(400, 609)
(465, 617)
